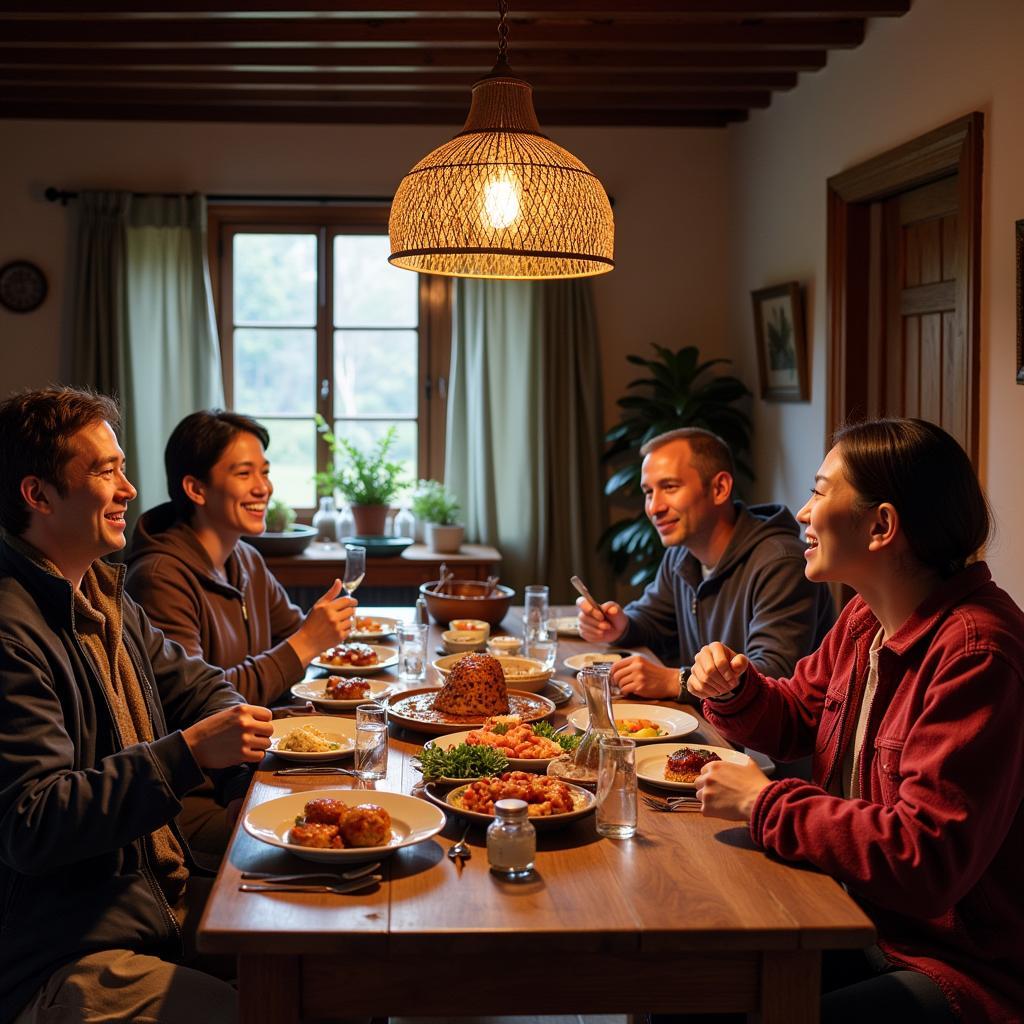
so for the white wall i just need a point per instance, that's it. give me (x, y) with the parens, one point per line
(670, 189)
(943, 59)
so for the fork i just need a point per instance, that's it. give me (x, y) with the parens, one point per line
(325, 770)
(678, 803)
(326, 877)
(337, 889)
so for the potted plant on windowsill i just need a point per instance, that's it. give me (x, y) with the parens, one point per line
(368, 481)
(434, 505)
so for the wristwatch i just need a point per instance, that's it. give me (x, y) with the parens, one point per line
(682, 693)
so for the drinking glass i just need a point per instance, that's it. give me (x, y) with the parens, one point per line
(616, 788)
(536, 611)
(412, 652)
(543, 647)
(355, 568)
(371, 741)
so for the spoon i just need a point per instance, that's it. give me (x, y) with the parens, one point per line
(460, 851)
(492, 582)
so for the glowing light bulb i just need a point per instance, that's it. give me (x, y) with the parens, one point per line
(501, 201)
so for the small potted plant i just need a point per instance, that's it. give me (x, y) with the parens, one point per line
(434, 505)
(367, 480)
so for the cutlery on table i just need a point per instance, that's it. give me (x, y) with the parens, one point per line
(338, 889)
(677, 803)
(324, 877)
(324, 770)
(460, 852)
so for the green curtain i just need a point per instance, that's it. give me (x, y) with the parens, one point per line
(524, 429)
(144, 323)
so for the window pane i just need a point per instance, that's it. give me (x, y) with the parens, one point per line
(275, 372)
(368, 291)
(364, 433)
(293, 460)
(275, 279)
(375, 373)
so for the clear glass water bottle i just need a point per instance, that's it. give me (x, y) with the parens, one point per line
(511, 841)
(405, 523)
(346, 524)
(325, 521)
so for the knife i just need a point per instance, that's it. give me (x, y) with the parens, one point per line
(339, 889)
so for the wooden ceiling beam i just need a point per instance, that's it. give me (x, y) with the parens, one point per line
(329, 114)
(540, 33)
(626, 80)
(525, 61)
(461, 8)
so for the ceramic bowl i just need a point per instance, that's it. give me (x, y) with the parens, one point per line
(458, 642)
(464, 599)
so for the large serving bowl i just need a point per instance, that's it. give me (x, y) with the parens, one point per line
(464, 599)
(292, 542)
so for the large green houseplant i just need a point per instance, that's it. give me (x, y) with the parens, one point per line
(367, 480)
(678, 391)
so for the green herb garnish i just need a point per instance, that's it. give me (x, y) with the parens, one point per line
(461, 762)
(547, 730)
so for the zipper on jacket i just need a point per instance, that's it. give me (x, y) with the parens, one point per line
(154, 885)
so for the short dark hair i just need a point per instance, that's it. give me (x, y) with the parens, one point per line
(709, 453)
(36, 428)
(928, 478)
(196, 444)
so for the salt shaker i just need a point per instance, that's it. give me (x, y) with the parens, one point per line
(511, 841)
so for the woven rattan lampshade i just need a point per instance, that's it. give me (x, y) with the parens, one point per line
(502, 200)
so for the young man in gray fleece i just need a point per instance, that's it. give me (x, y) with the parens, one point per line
(730, 573)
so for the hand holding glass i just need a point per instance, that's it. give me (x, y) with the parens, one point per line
(371, 741)
(355, 568)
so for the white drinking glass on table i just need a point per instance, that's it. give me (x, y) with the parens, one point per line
(371, 741)
(616, 788)
(355, 568)
(543, 647)
(412, 652)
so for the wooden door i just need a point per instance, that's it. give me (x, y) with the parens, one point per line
(904, 237)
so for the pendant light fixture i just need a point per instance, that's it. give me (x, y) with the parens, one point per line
(501, 200)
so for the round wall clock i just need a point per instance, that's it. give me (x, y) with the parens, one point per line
(22, 286)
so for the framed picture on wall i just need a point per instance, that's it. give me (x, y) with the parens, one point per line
(1020, 302)
(781, 343)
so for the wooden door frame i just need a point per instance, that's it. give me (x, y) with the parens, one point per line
(953, 148)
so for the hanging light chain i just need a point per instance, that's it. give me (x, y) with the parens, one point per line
(502, 32)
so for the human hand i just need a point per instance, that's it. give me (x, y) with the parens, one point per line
(602, 625)
(228, 737)
(329, 621)
(716, 671)
(728, 790)
(638, 676)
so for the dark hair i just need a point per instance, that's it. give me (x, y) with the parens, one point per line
(925, 474)
(196, 444)
(36, 428)
(709, 453)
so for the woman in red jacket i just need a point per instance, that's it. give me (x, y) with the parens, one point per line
(913, 709)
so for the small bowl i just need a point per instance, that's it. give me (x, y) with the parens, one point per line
(503, 646)
(459, 642)
(293, 541)
(478, 626)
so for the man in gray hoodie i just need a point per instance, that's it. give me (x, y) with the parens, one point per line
(729, 572)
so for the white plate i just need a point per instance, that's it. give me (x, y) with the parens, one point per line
(533, 681)
(583, 800)
(386, 657)
(579, 661)
(674, 722)
(568, 625)
(388, 628)
(412, 821)
(651, 760)
(515, 764)
(313, 690)
(341, 730)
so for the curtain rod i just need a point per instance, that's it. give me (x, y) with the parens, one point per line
(62, 196)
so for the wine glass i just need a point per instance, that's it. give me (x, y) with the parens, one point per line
(355, 568)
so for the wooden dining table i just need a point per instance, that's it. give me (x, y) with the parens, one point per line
(687, 916)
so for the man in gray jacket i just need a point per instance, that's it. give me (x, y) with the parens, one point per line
(729, 571)
(104, 727)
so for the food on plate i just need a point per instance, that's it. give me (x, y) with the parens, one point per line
(347, 689)
(685, 764)
(474, 686)
(364, 624)
(515, 738)
(357, 655)
(544, 795)
(460, 762)
(638, 728)
(307, 739)
(366, 825)
(329, 824)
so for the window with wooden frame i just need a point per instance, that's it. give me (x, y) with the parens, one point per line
(313, 319)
